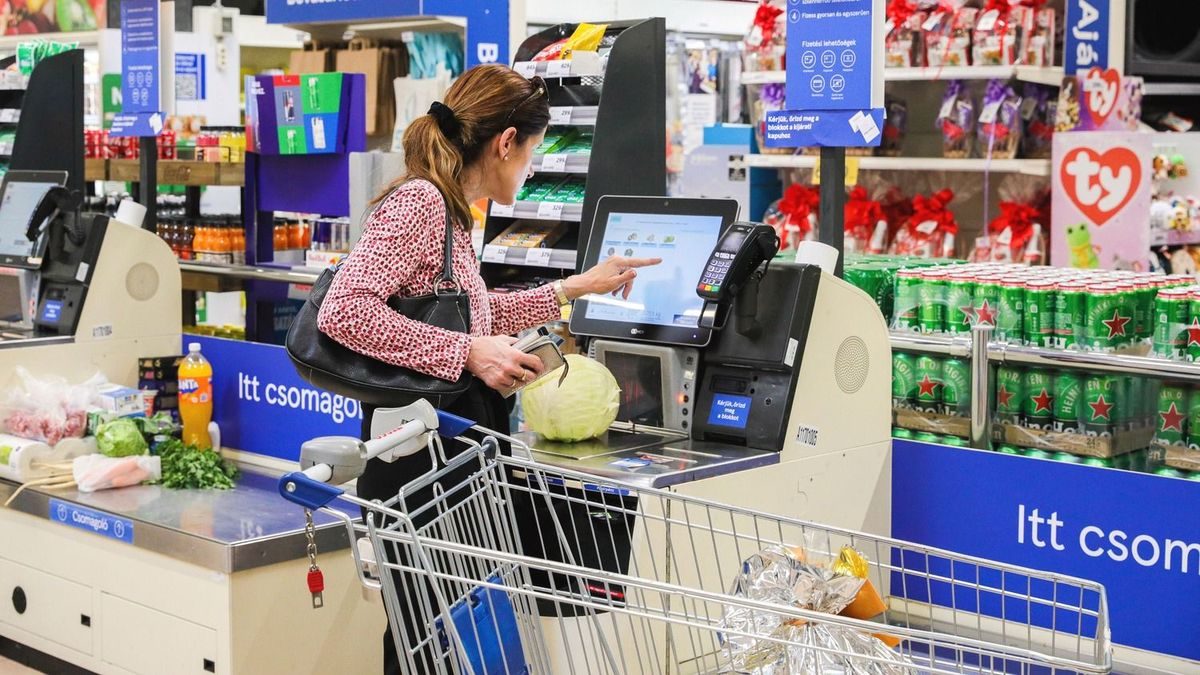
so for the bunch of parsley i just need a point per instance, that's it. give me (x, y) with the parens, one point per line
(186, 467)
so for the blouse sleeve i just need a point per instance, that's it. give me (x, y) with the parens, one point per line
(407, 230)
(514, 312)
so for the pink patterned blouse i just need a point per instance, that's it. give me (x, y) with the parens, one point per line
(400, 252)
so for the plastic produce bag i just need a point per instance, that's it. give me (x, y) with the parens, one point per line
(97, 472)
(48, 408)
(789, 576)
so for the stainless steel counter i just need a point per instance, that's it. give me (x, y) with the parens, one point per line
(648, 459)
(222, 530)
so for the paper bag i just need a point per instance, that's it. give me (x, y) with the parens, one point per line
(362, 56)
(311, 59)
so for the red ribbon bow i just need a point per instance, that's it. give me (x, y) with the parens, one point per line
(897, 209)
(933, 208)
(765, 18)
(798, 202)
(1016, 217)
(861, 214)
(900, 11)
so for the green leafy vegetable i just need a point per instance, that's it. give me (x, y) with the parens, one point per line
(5, 453)
(186, 467)
(121, 438)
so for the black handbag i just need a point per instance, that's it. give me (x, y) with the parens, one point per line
(327, 364)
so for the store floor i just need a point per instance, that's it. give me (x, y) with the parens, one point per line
(8, 667)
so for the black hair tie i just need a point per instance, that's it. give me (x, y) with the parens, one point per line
(446, 120)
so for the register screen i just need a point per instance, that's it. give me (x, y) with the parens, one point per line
(664, 294)
(16, 208)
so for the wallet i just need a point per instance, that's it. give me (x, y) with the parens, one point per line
(544, 345)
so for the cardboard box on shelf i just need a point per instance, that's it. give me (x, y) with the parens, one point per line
(1104, 447)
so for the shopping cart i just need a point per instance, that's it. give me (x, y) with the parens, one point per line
(492, 563)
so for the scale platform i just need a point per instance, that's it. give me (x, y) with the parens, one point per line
(647, 458)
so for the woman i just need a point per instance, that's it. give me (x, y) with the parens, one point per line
(478, 144)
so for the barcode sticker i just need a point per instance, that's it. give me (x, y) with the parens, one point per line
(503, 210)
(555, 162)
(494, 254)
(550, 210)
(538, 257)
(560, 115)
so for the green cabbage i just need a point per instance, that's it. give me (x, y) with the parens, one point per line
(121, 438)
(581, 407)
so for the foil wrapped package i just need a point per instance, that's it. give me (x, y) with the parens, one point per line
(778, 644)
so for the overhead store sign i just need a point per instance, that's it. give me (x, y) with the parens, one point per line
(1134, 533)
(487, 20)
(834, 94)
(264, 407)
(1087, 36)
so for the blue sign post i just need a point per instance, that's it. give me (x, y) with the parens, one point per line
(141, 96)
(487, 20)
(834, 76)
(1087, 36)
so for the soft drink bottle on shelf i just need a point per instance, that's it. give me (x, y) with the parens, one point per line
(195, 397)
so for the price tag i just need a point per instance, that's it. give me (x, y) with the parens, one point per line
(526, 68)
(933, 22)
(550, 210)
(1028, 107)
(560, 115)
(502, 211)
(989, 112)
(889, 26)
(947, 108)
(927, 227)
(988, 21)
(494, 254)
(555, 162)
(558, 69)
(538, 257)
(851, 171)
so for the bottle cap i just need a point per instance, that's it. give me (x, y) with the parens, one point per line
(193, 346)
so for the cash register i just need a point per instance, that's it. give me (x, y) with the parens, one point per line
(752, 381)
(79, 293)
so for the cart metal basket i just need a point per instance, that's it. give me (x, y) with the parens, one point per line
(500, 564)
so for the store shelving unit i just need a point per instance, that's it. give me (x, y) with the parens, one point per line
(1037, 75)
(591, 91)
(170, 172)
(1029, 167)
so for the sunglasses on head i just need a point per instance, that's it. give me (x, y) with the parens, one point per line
(539, 89)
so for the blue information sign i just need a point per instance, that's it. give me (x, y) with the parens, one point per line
(829, 128)
(1087, 36)
(1136, 534)
(730, 411)
(829, 54)
(487, 20)
(96, 522)
(190, 80)
(139, 57)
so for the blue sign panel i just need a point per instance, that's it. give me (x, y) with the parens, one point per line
(729, 411)
(264, 407)
(136, 124)
(487, 20)
(1136, 534)
(96, 522)
(139, 56)
(832, 128)
(829, 53)
(1087, 36)
(51, 311)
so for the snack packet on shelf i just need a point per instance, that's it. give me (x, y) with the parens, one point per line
(931, 230)
(998, 33)
(764, 43)
(998, 134)
(902, 45)
(794, 216)
(895, 127)
(1038, 113)
(586, 38)
(1038, 47)
(793, 577)
(956, 120)
(947, 35)
(863, 218)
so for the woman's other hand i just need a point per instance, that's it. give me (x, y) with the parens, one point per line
(493, 360)
(613, 275)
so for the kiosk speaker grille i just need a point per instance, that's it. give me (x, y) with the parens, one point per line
(851, 364)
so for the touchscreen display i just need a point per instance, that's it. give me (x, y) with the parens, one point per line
(16, 208)
(664, 294)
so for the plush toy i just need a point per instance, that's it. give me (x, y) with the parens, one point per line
(1161, 167)
(1182, 262)
(1079, 241)
(1161, 214)
(1179, 167)
(1181, 216)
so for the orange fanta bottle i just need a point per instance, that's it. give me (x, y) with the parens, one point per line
(195, 397)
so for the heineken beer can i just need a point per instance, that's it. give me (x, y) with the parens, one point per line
(1192, 430)
(1068, 392)
(1010, 392)
(1036, 453)
(960, 296)
(1107, 318)
(933, 301)
(1037, 405)
(1038, 325)
(1010, 318)
(1070, 311)
(1097, 461)
(927, 437)
(1173, 413)
(956, 387)
(1067, 458)
(904, 380)
(953, 441)
(986, 297)
(1100, 401)
(1008, 450)
(1191, 332)
(1172, 312)
(902, 433)
(929, 383)
(907, 303)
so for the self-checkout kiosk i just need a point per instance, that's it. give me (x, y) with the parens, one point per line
(750, 381)
(79, 293)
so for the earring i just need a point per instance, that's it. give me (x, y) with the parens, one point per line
(506, 158)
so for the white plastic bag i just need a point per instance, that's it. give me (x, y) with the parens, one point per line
(97, 472)
(48, 408)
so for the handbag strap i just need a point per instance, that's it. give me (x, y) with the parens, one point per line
(446, 279)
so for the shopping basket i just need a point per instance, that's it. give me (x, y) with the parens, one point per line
(491, 563)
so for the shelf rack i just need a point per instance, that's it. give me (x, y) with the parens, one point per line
(1030, 167)
(553, 211)
(170, 172)
(1038, 75)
